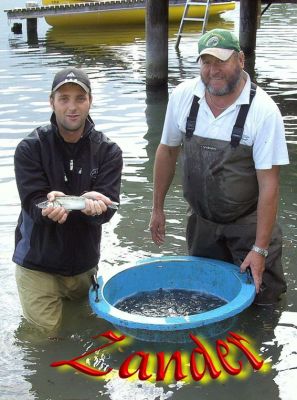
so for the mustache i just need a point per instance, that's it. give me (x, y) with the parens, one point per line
(228, 88)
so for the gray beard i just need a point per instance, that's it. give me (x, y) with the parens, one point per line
(228, 88)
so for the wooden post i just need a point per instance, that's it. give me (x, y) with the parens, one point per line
(249, 65)
(156, 105)
(17, 28)
(156, 31)
(32, 36)
(250, 11)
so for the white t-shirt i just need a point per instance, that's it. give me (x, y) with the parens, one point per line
(264, 127)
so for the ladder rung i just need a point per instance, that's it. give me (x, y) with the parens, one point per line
(193, 19)
(195, 4)
(188, 34)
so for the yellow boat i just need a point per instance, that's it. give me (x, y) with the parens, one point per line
(125, 12)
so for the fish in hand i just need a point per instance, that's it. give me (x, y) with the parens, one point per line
(71, 203)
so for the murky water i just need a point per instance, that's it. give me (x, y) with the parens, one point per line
(132, 116)
(169, 303)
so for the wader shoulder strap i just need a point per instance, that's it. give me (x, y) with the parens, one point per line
(240, 121)
(239, 124)
(192, 118)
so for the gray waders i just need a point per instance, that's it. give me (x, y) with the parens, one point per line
(220, 184)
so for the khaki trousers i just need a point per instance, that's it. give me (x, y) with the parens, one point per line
(42, 294)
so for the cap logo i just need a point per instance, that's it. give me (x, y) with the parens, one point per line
(71, 75)
(212, 42)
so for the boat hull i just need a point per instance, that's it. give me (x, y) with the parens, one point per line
(127, 16)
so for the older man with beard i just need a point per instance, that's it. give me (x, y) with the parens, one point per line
(232, 139)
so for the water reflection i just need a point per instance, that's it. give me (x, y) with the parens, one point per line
(46, 382)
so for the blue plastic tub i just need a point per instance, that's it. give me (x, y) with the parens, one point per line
(213, 277)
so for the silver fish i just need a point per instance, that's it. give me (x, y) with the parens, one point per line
(71, 203)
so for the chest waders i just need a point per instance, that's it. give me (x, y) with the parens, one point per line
(220, 184)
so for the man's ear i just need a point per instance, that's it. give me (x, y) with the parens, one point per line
(242, 58)
(51, 99)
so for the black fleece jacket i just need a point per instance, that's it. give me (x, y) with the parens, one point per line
(45, 162)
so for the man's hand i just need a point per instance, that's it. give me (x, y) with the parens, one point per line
(157, 227)
(56, 214)
(257, 264)
(96, 203)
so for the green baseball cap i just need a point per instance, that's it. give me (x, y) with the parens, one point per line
(219, 43)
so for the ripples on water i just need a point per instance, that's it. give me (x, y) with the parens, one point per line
(115, 61)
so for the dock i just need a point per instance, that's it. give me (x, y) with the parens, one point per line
(156, 25)
(32, 13)
(91, 7)
(68, 9)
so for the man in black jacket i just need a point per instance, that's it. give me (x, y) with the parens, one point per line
(57, 251)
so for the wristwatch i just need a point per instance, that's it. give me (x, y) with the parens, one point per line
(259, 250)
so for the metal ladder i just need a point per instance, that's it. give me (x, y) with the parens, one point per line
(192, 3)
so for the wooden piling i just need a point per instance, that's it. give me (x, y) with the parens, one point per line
(250, 11)
(156, 30)
(17, 28)
(32, 36)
